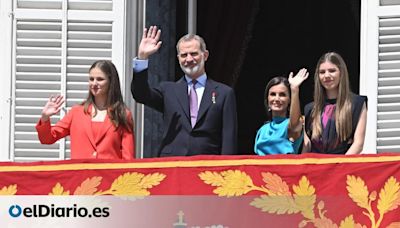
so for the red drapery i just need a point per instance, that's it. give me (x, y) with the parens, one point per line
(319, 190)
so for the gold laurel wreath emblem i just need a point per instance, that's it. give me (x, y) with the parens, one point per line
(279, 199)
(127, 184)
(10, 190)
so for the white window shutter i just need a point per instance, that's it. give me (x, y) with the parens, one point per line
(55, 44)
(388, 118)
(37, 75)
(380, 73)
(389, 2)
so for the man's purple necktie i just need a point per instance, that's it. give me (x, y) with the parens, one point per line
(194, 109)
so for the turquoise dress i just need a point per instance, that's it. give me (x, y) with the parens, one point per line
(272, 138)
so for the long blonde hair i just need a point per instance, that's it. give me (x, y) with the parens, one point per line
(343, 119)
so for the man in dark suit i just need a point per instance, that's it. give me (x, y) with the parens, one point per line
(199, 113)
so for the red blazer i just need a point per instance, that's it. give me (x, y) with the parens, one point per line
(111, 143)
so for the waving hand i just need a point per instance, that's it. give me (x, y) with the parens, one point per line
(53, 106)
(150, 42)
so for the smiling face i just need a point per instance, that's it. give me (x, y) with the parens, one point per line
(191, 58)
(278, 100)
(99, 83)
(329, 77)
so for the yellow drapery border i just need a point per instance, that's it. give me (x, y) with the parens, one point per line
(199, 163)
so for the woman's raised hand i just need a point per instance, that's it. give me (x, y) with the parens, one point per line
(53, 106)
(295, 81)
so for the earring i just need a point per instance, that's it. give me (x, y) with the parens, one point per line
(269, 109)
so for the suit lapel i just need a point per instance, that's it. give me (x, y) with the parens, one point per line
(87, 125)
(104, 128)
(207, 98)
(183, 97)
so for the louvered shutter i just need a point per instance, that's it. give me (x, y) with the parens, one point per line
(6, 51)
(382, 73)
(388, 127)
(55, 43)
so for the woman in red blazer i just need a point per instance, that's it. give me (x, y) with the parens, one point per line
(101, 127)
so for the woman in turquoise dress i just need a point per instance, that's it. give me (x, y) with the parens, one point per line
(282, 133)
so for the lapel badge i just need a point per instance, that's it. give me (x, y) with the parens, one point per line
(213, 97)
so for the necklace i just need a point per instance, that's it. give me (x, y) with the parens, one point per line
(99, 113)
(100, 108)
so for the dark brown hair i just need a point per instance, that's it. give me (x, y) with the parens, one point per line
(273, 82)
(116, 108)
